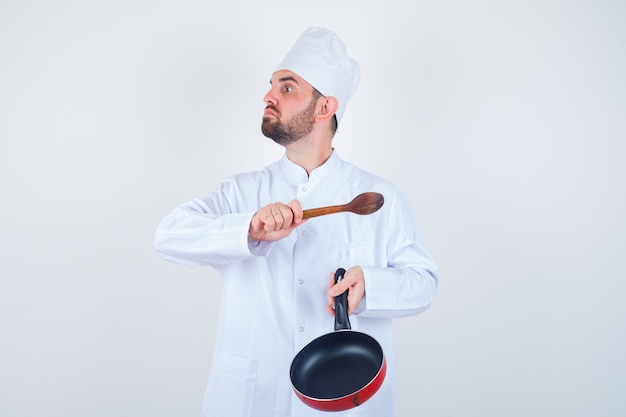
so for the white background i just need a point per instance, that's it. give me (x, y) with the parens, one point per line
(503, 121)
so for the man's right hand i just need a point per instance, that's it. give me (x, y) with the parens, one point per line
(275, 221)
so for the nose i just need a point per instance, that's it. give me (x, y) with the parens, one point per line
(270, 97)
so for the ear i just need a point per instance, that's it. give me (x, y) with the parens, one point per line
(327, 108)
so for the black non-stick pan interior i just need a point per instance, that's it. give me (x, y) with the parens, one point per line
(336, 364)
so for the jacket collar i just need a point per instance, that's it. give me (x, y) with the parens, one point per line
(298, 175)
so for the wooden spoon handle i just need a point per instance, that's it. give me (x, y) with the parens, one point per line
(321, 211)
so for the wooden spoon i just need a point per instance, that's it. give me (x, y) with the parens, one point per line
(365, 203)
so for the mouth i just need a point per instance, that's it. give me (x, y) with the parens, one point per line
(270, 112)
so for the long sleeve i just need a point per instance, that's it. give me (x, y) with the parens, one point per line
(204, 232)
(408, 284)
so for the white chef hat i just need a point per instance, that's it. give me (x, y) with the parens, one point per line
(320, 57)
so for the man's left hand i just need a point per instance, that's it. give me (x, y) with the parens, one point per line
(354, 282)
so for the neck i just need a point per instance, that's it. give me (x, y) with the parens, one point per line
(309, 154)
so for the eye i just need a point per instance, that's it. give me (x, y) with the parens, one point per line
(287, 89)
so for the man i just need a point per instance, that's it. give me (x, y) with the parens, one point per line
(277, 267)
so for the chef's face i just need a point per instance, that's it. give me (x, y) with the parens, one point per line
(290, 112)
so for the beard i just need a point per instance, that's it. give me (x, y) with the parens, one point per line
(299, 126)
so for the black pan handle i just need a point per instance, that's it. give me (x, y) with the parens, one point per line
(342, 322)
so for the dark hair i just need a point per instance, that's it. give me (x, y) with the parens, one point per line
(333, 123)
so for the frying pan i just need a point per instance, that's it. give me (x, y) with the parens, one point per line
(339, 370)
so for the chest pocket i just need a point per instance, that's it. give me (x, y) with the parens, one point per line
(351, 254)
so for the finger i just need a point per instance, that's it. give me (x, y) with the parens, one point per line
(256, 225)
(259, 223)
(273, 218)
(278, 217)
(340, 287)
(263, 219)
(331, 283)
(330, 310)
(355, 295)
(296, 208)
(287, 216)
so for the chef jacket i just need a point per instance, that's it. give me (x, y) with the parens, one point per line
(274, 295)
